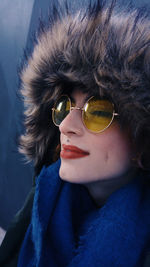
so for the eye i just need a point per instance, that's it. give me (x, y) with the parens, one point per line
(101, 113)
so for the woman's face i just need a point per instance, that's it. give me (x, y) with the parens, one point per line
(108, 153)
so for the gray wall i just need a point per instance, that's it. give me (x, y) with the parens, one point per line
(18, 18)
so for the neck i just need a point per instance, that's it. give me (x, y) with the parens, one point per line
(102, 189)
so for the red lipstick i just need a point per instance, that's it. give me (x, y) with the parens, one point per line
(72, 152)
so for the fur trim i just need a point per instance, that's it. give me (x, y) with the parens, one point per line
(101, 50)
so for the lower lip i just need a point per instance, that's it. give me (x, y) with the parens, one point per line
(72, 154)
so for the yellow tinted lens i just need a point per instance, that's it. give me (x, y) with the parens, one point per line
(97, 114)
(61, 109)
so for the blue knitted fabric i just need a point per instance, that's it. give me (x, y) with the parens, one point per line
(67, 230)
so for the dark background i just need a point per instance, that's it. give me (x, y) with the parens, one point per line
(18, 21)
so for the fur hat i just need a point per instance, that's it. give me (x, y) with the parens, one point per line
(102, 50)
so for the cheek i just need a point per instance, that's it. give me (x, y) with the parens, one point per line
(101, 148)
(111, 150)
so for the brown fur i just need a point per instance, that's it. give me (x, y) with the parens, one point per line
(102, 51)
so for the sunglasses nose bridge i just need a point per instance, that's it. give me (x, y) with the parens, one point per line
(75, 108)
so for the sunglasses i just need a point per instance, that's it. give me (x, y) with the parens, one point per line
(97, 113)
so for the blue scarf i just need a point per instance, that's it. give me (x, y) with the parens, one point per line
(68, 230)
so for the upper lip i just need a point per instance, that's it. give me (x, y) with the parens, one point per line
(74, 149)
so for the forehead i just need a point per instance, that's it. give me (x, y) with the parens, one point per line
(79, 97)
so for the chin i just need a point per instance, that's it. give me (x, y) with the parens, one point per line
(71, 176)
(74, 172)
(69, 172)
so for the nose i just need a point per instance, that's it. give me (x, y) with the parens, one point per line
(72, 124)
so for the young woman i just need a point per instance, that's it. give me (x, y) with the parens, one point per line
(87, 94)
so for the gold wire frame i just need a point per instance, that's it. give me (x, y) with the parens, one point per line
(83, 110)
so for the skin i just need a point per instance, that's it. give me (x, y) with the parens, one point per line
(109, 152)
